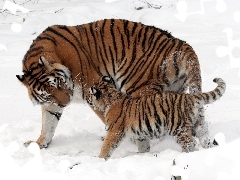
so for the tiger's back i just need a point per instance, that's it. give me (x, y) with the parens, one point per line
(136, 56)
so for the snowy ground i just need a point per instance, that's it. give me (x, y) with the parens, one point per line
(78, 137)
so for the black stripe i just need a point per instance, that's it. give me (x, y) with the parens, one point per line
(145, 37)
(157, 117)
(113, 62)
(139, 117)
(182, 98)
(140, 34)
(149, 113)
(126, 32)
(134, 28)
(113, 39)
(148, 126)
(134, 51)
(150, 39)
(104, 63)
(172, 103)
(48, 38)
(175, 56)
(123, 48)
(133, 130)
(56, 114)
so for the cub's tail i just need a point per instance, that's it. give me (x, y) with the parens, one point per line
(210, 97)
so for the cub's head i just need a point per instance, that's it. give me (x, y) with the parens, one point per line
(102, 94)
(47, 82)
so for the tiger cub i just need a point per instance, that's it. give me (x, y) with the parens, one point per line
(151, 116)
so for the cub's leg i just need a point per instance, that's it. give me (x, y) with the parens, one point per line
(143, 144)
(50, 116)
(186, 140)
(111, 141)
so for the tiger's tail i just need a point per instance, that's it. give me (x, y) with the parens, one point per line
(212, 96)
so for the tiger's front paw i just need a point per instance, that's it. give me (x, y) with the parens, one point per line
(41, 145)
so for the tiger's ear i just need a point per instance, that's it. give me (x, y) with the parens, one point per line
(108, 79)
(20, 77)
(42, 62)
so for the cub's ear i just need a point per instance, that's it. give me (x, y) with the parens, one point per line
(92, 90)
(20, 77)
(96, 93)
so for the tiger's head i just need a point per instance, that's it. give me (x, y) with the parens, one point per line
(103, 93)
(47, 82)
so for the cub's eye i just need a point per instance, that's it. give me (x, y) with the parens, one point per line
(98, 94)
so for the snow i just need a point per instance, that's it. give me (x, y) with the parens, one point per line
(212, 29)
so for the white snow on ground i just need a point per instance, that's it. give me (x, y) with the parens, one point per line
(77, 141)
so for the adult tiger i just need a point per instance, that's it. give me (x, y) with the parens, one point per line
(64, 61)
(151, 116)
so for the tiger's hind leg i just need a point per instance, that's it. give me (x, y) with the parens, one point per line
(50, 116)
(186, 140)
